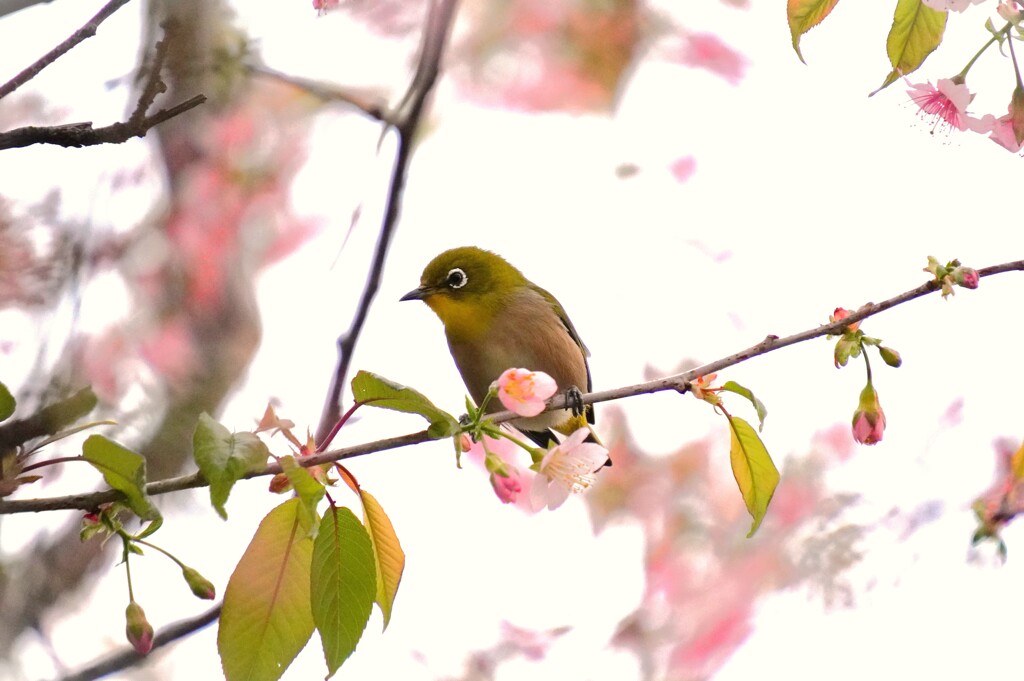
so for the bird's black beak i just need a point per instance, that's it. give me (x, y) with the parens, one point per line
(418, 293)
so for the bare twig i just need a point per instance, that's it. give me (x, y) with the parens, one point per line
(12, 6)
(84, 135)
(128, 657)
(328, 93)
(406, 120)
(87, 31)
(154, 84)
(677, 382)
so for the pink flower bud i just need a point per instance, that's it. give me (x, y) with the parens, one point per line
(138, 629)
(869, 419)
(966, 277)
(201, 586)
(507, 487)
(843, 313)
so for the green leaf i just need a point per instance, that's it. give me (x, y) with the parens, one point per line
(150, 529)
(224, 458)
(762, 411)
(309, 490)
(916, 31)
(371, 389)
(753, 469)
(804, 15)
(388, 557)
(342, 584)
(7, 403)
(124, 470)
(267, 617)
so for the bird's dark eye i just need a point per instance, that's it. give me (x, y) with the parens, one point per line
(456, 278)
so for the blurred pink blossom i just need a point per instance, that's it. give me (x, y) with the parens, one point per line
(683, 168)
(707, 51)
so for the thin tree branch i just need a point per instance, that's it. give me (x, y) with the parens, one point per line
(677, 382)
(327, 92)
(84, 135)
(12, 6)
(128, 657)
(406, 121)
(87, 31)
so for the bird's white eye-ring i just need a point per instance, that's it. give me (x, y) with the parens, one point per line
(456, 278)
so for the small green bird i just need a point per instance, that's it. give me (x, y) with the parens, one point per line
(497, 319)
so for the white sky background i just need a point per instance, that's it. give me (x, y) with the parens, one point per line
(819, 197)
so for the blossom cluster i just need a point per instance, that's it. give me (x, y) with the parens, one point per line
(946, 102)
(562, 469)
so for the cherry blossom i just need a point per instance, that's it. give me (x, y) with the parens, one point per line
(946, 5)
(946, 102)
(566, 468)
(524, 392)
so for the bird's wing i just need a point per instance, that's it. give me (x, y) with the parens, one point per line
(560, 311)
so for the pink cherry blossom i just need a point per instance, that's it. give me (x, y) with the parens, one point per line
(1000, 130)
(946, 103)
(946, 5)
(566, 468)
(1010, 10)
(524, 392)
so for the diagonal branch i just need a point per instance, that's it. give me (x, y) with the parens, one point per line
(128, 657)
(678, 382)
(84, 135)
(87, 31)
(406, 121)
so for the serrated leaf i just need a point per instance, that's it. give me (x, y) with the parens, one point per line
(804, 15)
(267, 616)
(7, 403)
(224, 457)
(124, 470)
(342, 584)
(754, 470)
(309, 490)
(370, 389)
(762, 411)
(388, 556)
(916, 31)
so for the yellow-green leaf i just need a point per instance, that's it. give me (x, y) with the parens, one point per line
(804, 15)
(762, 411)
(387, 553)
(267, 617)
(371, 389)
(124, 470)
(916, 31)
(342, 584)
(753, 469)
(224, 457)
(309, 490)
